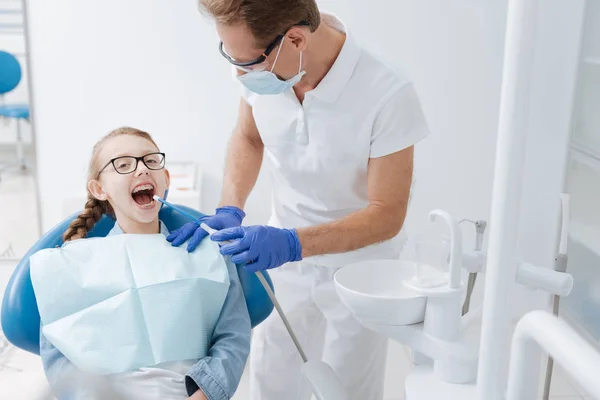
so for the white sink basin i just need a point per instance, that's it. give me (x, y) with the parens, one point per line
(374, 293)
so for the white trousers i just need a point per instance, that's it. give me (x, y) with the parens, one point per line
(326, 331)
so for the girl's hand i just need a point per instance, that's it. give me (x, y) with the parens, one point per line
(199, 395)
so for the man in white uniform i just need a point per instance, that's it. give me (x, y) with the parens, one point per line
(337, 127)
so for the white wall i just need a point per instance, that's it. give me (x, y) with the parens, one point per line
(155, 65)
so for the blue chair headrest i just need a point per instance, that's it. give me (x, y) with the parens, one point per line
(10, 72)
(20, 315)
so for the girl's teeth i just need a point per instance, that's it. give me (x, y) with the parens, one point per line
(145, 187)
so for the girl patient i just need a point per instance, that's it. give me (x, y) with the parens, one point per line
(125, 171)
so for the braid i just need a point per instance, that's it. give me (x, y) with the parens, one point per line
(93, 211)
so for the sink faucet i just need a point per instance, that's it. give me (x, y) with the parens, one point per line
(456, 246)
(443, 314)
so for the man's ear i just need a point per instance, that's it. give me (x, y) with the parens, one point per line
(96, 189)
(298, 37)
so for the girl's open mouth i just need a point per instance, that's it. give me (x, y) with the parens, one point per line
(143, 195)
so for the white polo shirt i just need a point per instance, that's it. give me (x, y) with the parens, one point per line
(319, 150)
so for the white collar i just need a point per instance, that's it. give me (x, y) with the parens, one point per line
(334, 82)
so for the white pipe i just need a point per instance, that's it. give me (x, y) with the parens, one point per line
(510, 158)
(567, 348)
(546, 279)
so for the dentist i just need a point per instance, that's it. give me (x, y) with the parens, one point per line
(337, 128)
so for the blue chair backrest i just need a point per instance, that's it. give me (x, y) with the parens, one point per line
(10, 72)
(20, 315)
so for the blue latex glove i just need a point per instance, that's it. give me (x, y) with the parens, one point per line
(260, 247)
(225, 217)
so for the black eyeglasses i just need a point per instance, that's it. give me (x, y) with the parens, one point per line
(264, 55)
(127, 164)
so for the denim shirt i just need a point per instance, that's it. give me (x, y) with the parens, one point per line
(217, 375)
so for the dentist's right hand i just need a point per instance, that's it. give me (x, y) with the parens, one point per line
(225, 217)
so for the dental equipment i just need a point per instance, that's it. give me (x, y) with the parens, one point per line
(479, 230)
(263, 281)
(178, 209)
(560, 265)
(503, 259)
(539, 331)
(323, 380)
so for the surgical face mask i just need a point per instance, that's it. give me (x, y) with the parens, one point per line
(266, 82)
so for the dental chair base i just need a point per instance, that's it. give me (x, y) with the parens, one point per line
(423, 384)
(452, 361)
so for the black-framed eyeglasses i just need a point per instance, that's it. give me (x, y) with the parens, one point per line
(127, 164)
(265, 53)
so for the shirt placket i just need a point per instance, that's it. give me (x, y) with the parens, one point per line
(301, 131)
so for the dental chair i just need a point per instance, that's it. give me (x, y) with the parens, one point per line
(10, 76)
(20, 316)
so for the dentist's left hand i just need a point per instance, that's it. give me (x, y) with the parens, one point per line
(260, 247)
(225, 217)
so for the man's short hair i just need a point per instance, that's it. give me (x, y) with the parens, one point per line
(266, 19)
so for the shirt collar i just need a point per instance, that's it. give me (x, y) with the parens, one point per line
(336, 79)
(116, 230)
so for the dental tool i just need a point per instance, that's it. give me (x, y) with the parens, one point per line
(323, 380)
(265, 284)
(178, 209)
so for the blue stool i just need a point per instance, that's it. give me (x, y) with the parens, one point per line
(20, 315)
(10, 76)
